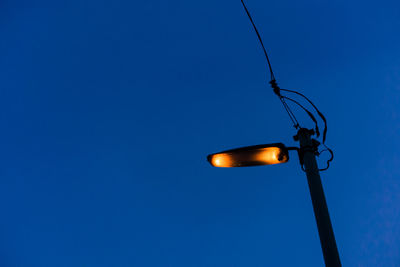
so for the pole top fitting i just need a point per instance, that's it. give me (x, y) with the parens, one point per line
(303, 131)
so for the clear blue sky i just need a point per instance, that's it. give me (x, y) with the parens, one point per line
(109, 108)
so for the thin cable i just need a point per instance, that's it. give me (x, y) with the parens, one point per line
(290, 113)
(316, 109)
(308, 112)
(259, 38)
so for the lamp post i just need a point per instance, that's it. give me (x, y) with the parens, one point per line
(325, 230)
(278, 153)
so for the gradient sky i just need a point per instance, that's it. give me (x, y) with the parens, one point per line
(109, 108)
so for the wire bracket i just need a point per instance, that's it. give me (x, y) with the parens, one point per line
(276, 88)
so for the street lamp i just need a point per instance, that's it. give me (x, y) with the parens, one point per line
(279, 153)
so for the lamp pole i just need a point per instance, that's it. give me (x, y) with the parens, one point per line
(325, 230)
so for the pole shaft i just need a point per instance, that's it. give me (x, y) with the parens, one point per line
(325, 230)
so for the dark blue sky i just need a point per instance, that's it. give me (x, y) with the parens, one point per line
(109, 108)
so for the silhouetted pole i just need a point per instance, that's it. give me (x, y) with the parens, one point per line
(325, 230)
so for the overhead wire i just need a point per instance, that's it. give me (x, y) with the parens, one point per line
(259, 38)
(273, 81)
(277, 90)
(316, 109)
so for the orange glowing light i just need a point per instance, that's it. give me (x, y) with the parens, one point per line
(250, 156)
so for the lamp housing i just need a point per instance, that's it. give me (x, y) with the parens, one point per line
(257, 155)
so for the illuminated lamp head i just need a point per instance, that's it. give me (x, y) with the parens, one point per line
(250, 156)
